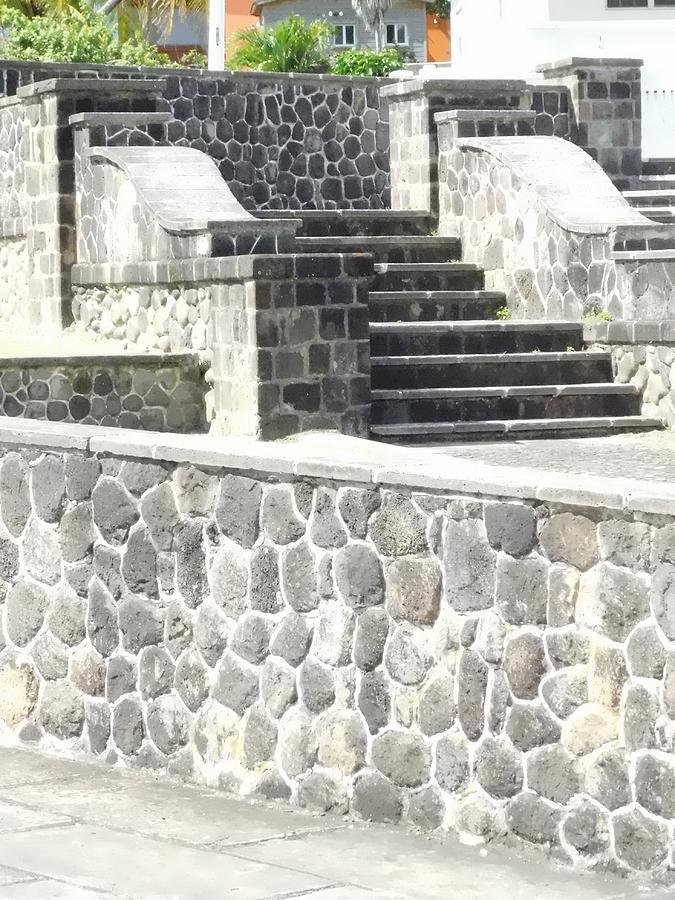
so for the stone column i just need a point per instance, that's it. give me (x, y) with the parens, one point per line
(606, 108)
(413, 142)
(50, 183)
(291, 346)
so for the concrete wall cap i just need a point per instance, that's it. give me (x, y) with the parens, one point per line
(113, 86)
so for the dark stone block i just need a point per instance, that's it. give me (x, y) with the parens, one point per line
(303, 396)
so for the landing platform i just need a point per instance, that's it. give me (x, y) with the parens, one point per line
(78, 831)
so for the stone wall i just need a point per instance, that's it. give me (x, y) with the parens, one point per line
(605, 101)
(13, 200)
(345, 640)
(14, 269)
(150, 392)
(644, 355)
(280, 141)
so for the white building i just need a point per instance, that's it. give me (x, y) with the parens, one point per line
(512, 37)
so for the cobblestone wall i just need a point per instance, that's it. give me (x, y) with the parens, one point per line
(280, 141)
(644, 355)
(161, 394)
(14, 267)
(487, 667)
(547, 241)
(13, 154)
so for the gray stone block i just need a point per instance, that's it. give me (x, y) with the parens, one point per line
(236, 684)
(121, 677)
(533, 819)
(155, 672)
(238, 509)
(114, 510)
(398, 528)
(510, 527)
(525, 664)
(316, 684)
(358, 576)
(192, 680)
(141, 623)
(168, 723)
(407, 657)
(374, 700)
(251, 637)
(292, 638)
(452, 762)
(280, 520)
(61, 710)
(470, 566)
(376, 799)
(26, 606)
(258, 737)
(342, 741)
(499, 767)
(414, 588)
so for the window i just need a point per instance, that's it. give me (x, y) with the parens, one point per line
(344, 36)
(639, 4)
(397, 34)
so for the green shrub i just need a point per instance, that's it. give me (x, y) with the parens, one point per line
(595, 314)
(362, 61)
(194, 59)
(291, 46)
(440, 8)
(503, 313)
(75, 35)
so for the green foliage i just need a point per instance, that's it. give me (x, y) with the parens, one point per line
(194, 59)
(503, 313)
(363, 61)
(440, 8)
(291, 46)
(74, 35)
(595, 314)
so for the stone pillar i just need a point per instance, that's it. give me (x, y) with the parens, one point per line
(291, 347)
(50, 183)
(413, 143)
(606, 108)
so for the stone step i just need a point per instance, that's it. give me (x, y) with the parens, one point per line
(432, 306)
(658, 166)
(658, 213)
(490, 370)
(356, 222)
(428, 277)
(494, 403)
(523, 429)
(650, 197)
(470, 337)
(387, 248)
(657, 182)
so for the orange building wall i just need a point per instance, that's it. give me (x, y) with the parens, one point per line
(438, 39)
(238, 16)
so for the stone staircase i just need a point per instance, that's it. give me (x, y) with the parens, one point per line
(444, 366)
(655, 197)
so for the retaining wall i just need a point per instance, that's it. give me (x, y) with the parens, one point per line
(368, 637)
(280, 141)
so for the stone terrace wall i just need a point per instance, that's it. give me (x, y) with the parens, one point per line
(150, 392)
(13, 210)
(299, 631)
(281, 141)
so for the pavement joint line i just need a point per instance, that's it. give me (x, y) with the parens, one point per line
(23, 829)
(283, 836)
(214, 846)
(306, 893)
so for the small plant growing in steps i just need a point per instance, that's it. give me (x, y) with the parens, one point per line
(571, 349)
(503, 313)
(595, 314)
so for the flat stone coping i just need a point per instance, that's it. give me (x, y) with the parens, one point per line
(624, 331)
(481, 115)
(120, 118)
(588, 62)
(104, 360)
(321, 214)
(574, 190)
(463, 87)
(182, 188)
(207, 269)
(490, 471)
(114, 86)
(138, 72)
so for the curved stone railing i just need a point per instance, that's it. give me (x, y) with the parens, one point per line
(161, 203)
(542, 218)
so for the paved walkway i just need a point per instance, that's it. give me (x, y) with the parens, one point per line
(646, 457)
(80, 831)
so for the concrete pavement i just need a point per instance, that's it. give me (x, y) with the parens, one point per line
(71, 830)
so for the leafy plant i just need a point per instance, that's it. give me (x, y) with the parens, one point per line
(503, 313)
(440, 8)
(74, 35)
(291, 46)
(363, 61)
(595, 314)
(194, 59)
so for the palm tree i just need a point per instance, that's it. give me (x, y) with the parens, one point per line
(133, 14)
(373, 12)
